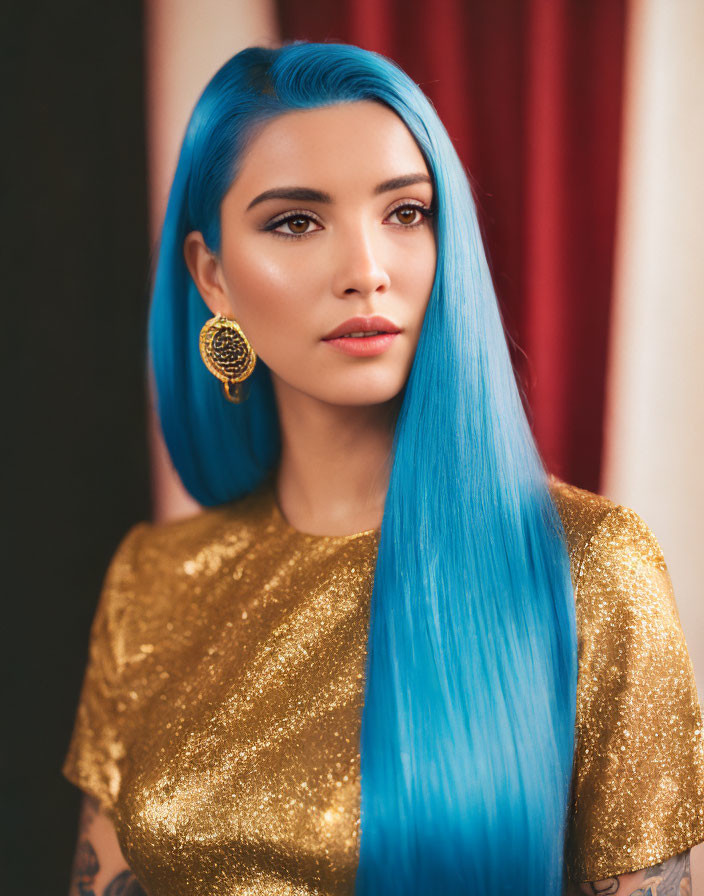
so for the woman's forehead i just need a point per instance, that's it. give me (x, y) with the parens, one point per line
(362, 142)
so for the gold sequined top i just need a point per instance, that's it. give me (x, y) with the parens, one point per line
(220, 713)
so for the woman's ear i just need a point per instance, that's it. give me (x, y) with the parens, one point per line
(204, 268)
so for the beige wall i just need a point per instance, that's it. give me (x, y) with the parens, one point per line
(186, 43)
(655, 416)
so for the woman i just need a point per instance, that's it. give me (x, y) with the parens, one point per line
(393, 655)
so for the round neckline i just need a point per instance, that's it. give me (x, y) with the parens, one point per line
(284, 523)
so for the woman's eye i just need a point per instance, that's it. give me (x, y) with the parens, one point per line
(411, 215)
(296, 224)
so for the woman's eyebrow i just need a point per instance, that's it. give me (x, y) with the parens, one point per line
(307, 194)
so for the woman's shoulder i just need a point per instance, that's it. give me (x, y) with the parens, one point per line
(235, 522)
(639, 750)
(157, 564)
(622, 584)
(602, 535)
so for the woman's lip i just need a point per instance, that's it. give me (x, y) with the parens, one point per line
(362, 346)
(362, 324)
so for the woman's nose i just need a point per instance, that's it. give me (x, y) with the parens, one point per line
(360, 269)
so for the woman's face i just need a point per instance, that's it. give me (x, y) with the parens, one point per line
(325, 221)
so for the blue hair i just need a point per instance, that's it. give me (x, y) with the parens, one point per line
(468, 723)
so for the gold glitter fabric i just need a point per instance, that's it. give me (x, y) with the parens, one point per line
(638, 780)
(220, 714)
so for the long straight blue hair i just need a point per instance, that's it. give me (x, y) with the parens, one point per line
(468, 724)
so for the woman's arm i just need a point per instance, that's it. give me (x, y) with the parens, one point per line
(669, 878)
(99, 868)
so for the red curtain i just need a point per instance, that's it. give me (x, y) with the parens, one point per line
(530, 93)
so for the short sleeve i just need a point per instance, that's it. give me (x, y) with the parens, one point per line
(638, 778)
(96, 749)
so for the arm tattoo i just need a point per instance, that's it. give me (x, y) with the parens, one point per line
(86, 864)
(85, 868)
(125, 884)
(669, 878)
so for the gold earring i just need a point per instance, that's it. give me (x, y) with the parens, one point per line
(227, 354)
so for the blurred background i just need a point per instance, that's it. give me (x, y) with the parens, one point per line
(581, 125)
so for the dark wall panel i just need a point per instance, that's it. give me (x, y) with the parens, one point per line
(75, 252)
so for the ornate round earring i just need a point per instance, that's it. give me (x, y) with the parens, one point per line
(227, 354)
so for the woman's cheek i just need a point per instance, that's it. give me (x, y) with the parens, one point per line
(281, 334)
(261, 300)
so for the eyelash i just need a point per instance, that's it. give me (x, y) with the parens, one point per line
(424, 211)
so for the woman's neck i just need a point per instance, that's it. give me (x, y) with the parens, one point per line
(335, 463)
